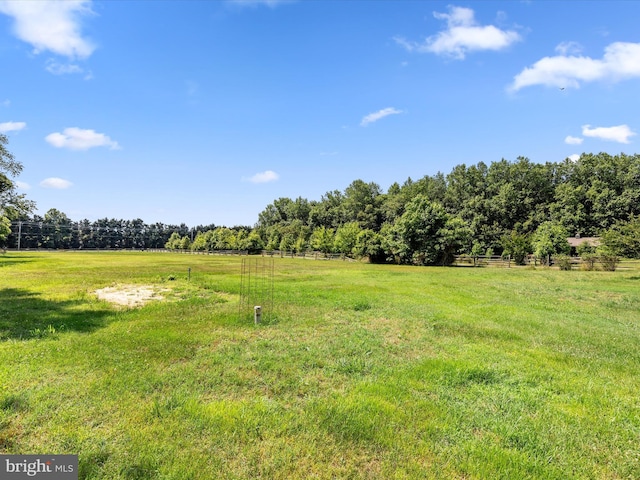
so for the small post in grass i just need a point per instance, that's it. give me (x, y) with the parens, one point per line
(256, 288)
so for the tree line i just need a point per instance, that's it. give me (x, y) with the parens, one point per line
(508, 207)
(516, 208)
(55, 230)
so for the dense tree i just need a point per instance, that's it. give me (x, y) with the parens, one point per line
(392, 204)
(519, 193)
(58, 230)
(5, 229)
(13, 206)
(174, 242)
(253, 243)
(329, 212)
(362, 204)
(455, 236)
(623, 239)
(597, 191)
(346, 238)
(518, 245)
(416, 236)
(322, 239)
(284, 211)
(199, 243)
(369, 244)
(569, 209)
(550, 238)
(466, 196)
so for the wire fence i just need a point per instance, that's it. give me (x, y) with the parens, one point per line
(256, 288)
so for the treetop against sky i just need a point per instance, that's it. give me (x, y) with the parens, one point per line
(204, 112)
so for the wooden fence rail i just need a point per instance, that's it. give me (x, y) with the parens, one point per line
(311, 255)
(576, 263)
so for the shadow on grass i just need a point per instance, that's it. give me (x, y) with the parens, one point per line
(10, 259)
(25, 315)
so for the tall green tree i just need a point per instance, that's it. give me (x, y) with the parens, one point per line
(369, 244)
(5, 229)
(13, 205)
(416, 236)
(597, 191)
(518, 245)
(322, 239)
(346, 238)
(329, 212)
(623, 239)
(550, 238)
(362, 203)
(58, 229)
(253, 243)
(454, 236)
(174, 242)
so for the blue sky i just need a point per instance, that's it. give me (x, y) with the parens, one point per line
(206, 111)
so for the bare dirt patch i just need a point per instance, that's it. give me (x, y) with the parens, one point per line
(131, 295)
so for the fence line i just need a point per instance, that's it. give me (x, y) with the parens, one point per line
(482, 261)
(458, 260)
(532, 260)
(310, 255)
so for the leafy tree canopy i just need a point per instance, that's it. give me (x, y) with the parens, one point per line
(12, 204)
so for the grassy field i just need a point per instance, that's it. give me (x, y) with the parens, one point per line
(363, 371)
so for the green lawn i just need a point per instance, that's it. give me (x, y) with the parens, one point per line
(362, 371)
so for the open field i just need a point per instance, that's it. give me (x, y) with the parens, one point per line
(365, 371)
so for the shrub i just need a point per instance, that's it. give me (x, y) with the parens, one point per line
(609, 262)
(517, 245)
(588, 261)
(563, 262)
(550, 238)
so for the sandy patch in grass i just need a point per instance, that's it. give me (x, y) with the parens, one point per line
(131, 295)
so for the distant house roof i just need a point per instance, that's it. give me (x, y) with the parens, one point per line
(577, 241)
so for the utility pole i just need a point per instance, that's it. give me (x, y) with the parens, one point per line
(19, 233)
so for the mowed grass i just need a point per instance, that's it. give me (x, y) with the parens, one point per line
(362, 371)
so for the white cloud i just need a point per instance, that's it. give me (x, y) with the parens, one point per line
(55, 182)
(375, 116)
(264, 177)
(619, 133)
(22, 185)
(78, 139)
(5, 103)
(620, 61)
(574, 158)
(12, 126)
(569, 48)
(573, 140)
(51, 26)
(62, 69)
(463, 35)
